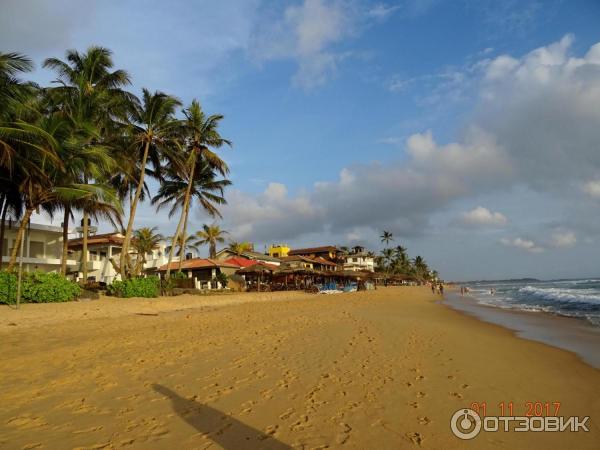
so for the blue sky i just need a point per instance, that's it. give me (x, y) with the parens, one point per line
(467, 128)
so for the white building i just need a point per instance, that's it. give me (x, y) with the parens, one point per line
(103, 247)
(42, 247)
(42, 250)
(358, 259)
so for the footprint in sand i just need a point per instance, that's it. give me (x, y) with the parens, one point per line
(451, 377)
(342, 437)
(465, 386)
(424, 420)
(456, 395)
(300, 424)
(286, 415)
(414, 404)
(421, 394)
(415, 438)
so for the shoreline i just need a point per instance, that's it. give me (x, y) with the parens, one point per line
(381, 370)
(564, 333)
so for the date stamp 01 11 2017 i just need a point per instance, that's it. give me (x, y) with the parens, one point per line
(467, 423)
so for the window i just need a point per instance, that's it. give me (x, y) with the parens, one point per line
(36, 249)
(103, 255)
(354, 259)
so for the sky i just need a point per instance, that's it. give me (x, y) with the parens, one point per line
(470, 129)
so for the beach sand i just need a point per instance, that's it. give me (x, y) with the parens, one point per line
(383, 369)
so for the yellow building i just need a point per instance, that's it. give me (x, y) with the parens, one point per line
(278, 250)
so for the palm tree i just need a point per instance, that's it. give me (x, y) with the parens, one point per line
(388, 256)
(153, 131)
(144, 241)
(210, 235)
(239, 247)
(200, 133)
(386, 237)
(90, 96)
(13, 93)
(420, 267)
(204, 189)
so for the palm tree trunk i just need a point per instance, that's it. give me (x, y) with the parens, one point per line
(65, 246)
(124, 264)
(184, 234)
(84, 248)
(173, 245)
(2, 228)
(186, 203)
(212, 250)
(20, 235)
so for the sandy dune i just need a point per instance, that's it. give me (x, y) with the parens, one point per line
(375, 370)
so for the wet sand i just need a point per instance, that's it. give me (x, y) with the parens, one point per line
(369, 370)
(568, 333)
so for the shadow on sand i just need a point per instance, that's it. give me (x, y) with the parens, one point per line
(224, 430)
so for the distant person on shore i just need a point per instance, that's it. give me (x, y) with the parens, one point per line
(462, 290)
(493, 291)
(433, 288)
(441, 289)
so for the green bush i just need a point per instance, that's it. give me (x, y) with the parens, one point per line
(8, 288)
(135, 287)
(223, 279)
(37, 287)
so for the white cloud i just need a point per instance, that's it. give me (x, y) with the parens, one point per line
(399, 195)
(381, 11)
(481, 216)
(522, 244)
(539, 132)
(564, 239)
(543, 108)
(307, 34)
(592, 188)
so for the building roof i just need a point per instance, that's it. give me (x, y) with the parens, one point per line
(251, 255)
(98, 239)
(323, 261)
(198, 263)
(14, 224)
(359, 254)
(316, 260)
(310, 250)
(240, 261)
(259, 267)
(296, 258)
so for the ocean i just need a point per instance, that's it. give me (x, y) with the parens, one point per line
(570, 298)
(562, 313)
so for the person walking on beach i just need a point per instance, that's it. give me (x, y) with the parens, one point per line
(441, 289)
(433, 288)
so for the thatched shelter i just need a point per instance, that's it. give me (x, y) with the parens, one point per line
(258, 276)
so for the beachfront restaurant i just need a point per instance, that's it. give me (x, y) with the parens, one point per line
(203, 271)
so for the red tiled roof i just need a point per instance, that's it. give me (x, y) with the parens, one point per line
(240, 262)
(323, 261)
(198, 263)
(304, 251)
(259, 265)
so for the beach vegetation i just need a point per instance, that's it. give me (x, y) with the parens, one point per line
(210, 235)
(239, 247)
(86, 145)
(37, 287)
(148, 287)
